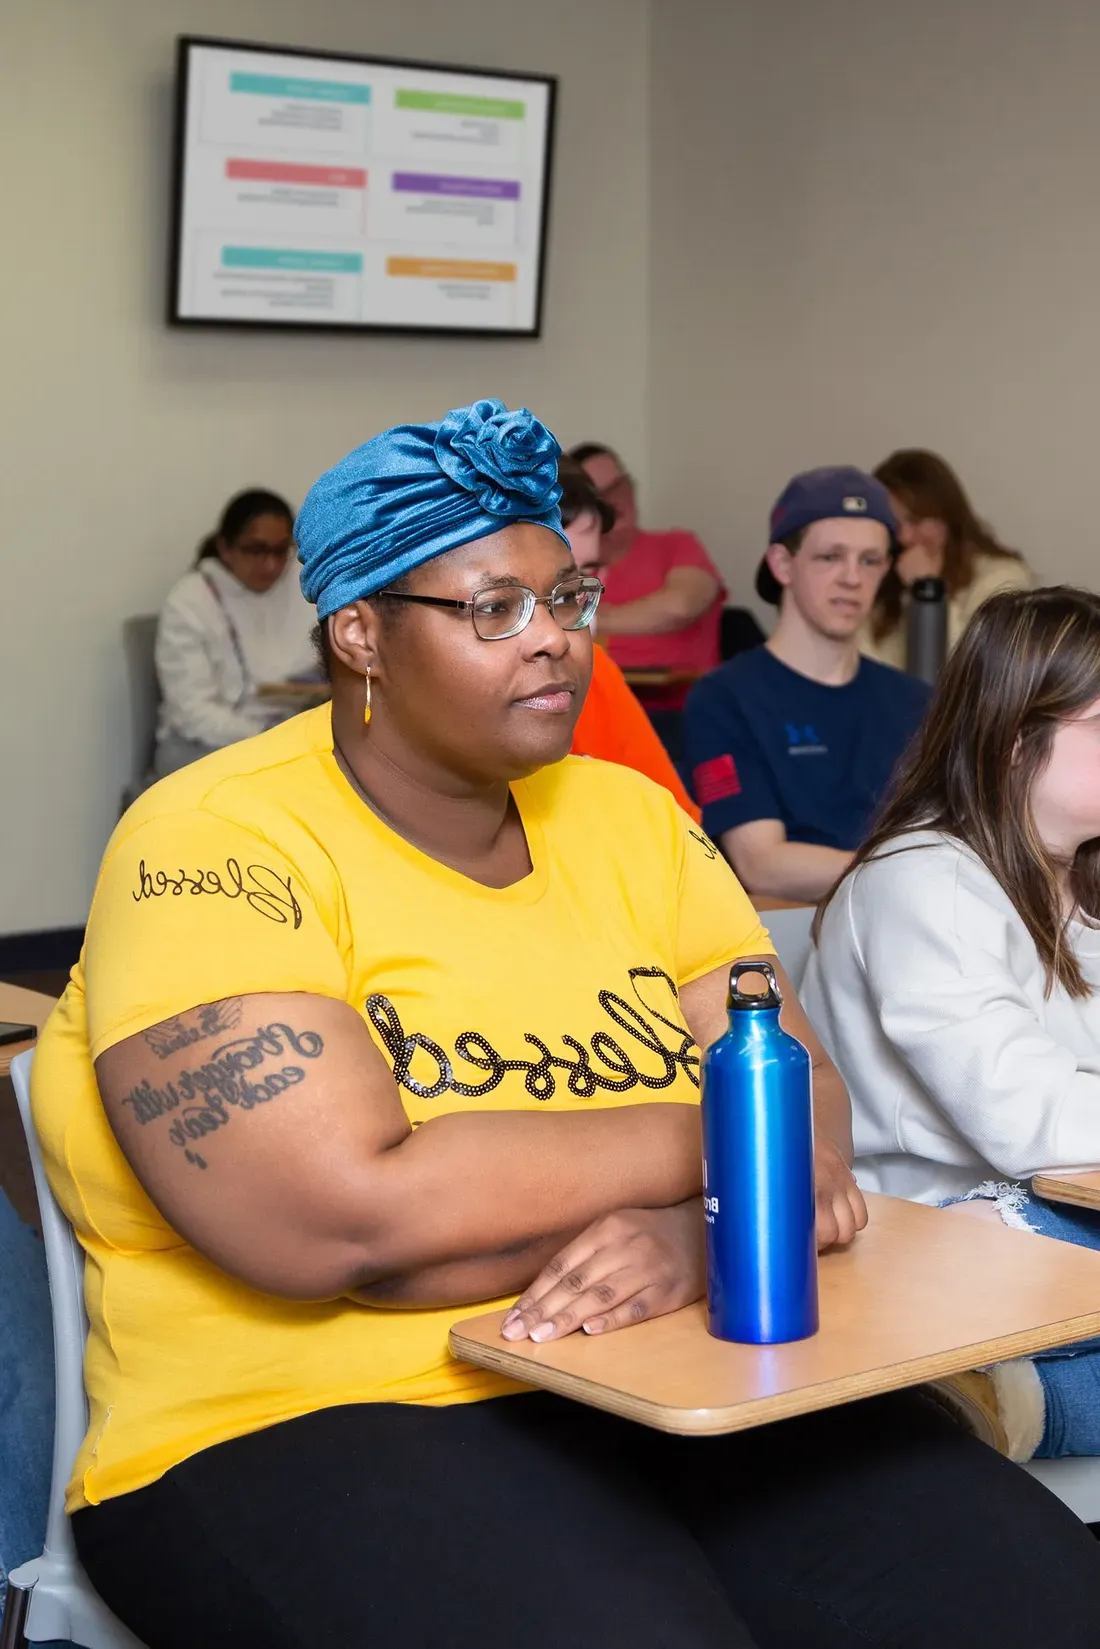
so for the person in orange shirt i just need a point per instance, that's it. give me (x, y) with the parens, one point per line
(612, 725)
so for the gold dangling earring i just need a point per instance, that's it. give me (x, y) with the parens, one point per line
(366, 707)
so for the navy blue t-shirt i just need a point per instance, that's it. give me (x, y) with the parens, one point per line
(764, 742)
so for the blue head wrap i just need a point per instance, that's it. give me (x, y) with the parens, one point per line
(420, 490)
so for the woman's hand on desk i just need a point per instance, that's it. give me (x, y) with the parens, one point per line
(644, 1262)
(841, 1210)
(633, 1264)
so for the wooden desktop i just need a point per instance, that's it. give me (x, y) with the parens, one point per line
(919, 1295)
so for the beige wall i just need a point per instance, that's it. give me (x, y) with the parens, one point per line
(873, 226)
(120, 439)
(784, 234)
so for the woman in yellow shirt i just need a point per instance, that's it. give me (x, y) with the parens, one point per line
(939, 536)
(394, 1009)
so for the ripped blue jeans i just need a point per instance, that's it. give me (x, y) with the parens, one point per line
(1070, 1375)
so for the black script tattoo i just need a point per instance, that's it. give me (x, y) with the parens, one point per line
(262, 888)
(603, 1064)
(705, 843)
(183, 1029)
(199, 1101)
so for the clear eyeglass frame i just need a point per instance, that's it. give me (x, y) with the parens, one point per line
(503, 612)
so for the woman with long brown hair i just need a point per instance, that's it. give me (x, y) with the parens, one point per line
(939, 536)
(956, 980)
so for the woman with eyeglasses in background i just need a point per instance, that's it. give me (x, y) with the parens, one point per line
(235, 623)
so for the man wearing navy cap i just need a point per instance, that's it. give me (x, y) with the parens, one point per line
(792, 744)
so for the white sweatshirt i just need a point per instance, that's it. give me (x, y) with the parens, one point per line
(207, 695)
(927, 990)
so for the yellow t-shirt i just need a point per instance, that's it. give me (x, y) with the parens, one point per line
(259, 869)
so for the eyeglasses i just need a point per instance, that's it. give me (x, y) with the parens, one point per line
(256, 551)
(498, 614)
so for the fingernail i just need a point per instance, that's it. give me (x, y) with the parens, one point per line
(542, 1332)
(510, 1316)
(513, 1331)
(593, 1326)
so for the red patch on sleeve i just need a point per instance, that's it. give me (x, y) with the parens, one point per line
(716, 780)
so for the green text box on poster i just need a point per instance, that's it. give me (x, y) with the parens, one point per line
(458, 103)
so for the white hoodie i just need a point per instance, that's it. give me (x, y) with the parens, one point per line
(928, 992)
(213, 654)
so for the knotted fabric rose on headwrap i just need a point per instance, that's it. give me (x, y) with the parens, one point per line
(420, 490)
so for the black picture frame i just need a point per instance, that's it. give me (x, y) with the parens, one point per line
(184, 45)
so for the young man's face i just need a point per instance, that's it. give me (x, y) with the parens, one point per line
(834, 575)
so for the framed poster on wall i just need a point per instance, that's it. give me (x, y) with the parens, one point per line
(321, 190)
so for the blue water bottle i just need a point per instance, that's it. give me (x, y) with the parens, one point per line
(758, 1173)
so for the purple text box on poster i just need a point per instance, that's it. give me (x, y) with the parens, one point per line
(484, 188)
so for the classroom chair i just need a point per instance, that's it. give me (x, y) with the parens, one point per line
(51, 1598)
(737, 632)
(139, 640)
(1075, 1480)
(790, 934)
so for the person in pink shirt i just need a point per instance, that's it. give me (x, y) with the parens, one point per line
(662, 602)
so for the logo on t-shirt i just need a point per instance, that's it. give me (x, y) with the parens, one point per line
(716, 780)
(803, 741)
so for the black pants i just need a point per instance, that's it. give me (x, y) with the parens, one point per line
(531, 1523)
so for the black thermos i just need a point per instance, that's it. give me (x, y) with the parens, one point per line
(926, 639)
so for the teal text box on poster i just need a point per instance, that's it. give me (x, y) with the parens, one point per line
(274, 257)
(287, 85)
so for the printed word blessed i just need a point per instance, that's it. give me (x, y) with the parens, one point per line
(262, 888)
(649, 1053)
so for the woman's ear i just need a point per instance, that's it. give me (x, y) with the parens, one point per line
(353, 637)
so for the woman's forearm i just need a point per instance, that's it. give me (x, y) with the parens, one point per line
(465, 1282)
(685, 595)
(832, 1107)
(475, 1187)
(334, 1190)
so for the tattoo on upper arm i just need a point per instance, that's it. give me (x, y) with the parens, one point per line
(179, 1032)
(199, 1100)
